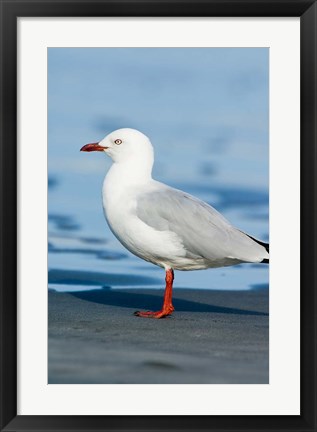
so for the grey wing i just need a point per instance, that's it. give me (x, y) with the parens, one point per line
(203, 231)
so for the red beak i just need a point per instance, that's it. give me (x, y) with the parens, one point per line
(92, 147)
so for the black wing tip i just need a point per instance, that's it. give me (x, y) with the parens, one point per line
(265, 245)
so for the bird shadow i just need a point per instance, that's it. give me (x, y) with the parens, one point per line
(133, 300)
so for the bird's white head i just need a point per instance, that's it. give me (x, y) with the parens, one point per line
(124, 146)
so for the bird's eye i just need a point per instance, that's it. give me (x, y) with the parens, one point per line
(118, 141)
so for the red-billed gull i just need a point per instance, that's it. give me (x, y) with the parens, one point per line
(163, 225)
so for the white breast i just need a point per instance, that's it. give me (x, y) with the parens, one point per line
(119, 203)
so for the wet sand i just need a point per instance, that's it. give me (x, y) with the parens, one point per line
(219, 337)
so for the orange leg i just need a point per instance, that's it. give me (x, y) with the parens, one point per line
(167, 307)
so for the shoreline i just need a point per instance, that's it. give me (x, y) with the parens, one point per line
(213, 337)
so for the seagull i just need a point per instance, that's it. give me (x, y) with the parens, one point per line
(163, 225)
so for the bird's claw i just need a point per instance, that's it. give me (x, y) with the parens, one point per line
(150, 314)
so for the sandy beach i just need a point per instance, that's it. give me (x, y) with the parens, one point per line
(219, 337)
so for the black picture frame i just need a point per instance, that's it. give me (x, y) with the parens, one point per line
(10, 11)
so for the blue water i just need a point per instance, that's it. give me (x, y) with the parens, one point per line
(206, 112)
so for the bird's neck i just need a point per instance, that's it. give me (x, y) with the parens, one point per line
(132, 171)
(126, 175)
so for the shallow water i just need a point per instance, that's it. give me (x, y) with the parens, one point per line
(206, 112)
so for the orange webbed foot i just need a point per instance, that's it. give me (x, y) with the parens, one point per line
(159, 314)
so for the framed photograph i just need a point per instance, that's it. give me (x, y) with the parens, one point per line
(207, 115)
